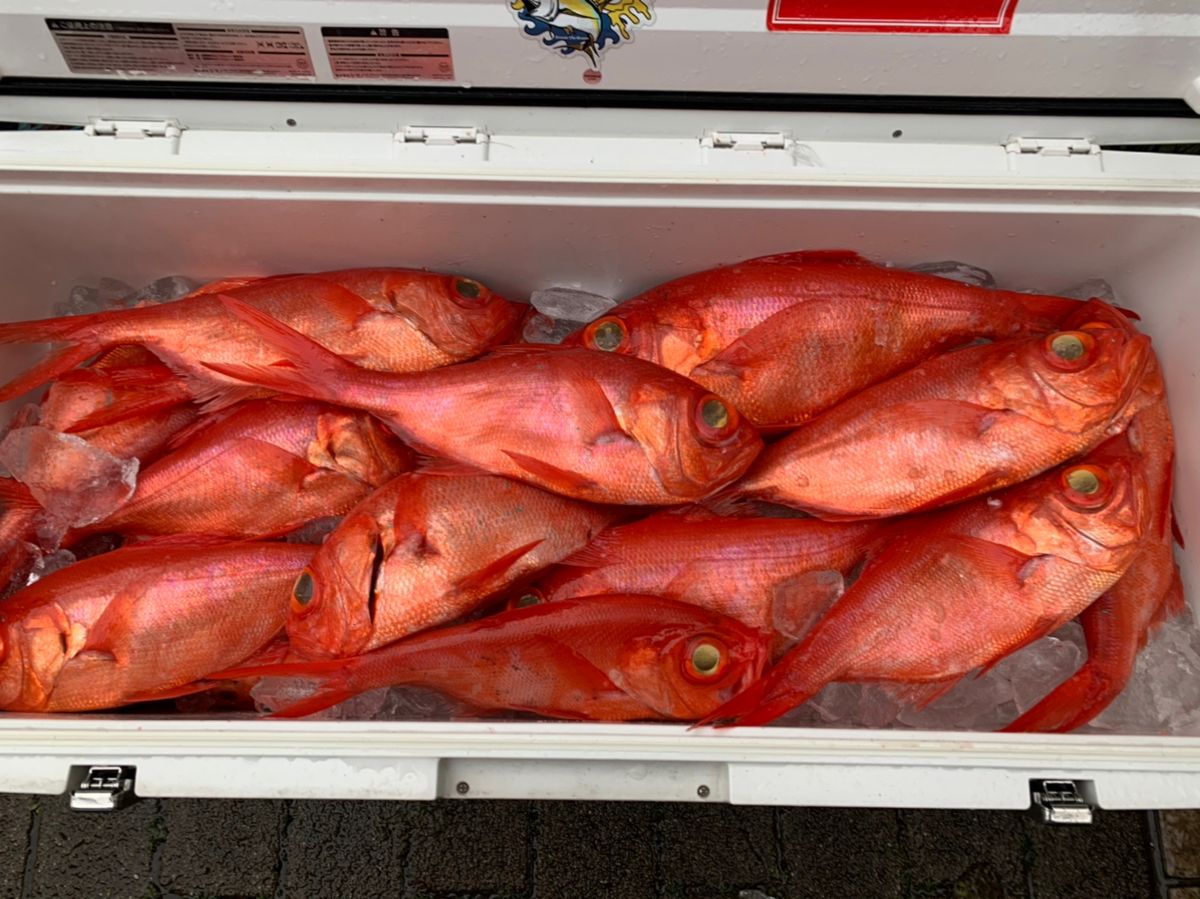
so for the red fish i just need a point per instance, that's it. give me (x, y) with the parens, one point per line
(1118, 624)
(962, 588)
(19, 512)
(957, 426)
(426, 549)
(141, 623)
(602, 428)
(769, 573)
(261, 469)
(383, 319)
(611, 658)
(785, 337)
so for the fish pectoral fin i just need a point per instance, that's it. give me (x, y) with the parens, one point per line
(800, 601)
(558, 479)
(496, 569)
(170, 692)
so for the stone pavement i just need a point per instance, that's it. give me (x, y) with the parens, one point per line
(462, 849)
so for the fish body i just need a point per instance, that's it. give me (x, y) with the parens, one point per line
(970, 421)
(612, 658)
(385, 319)
(768, 573)
(960, 589)
(597, 427)
(785, 337)
(426, 549)
(141, 622)
(260, 469)
(19, 513)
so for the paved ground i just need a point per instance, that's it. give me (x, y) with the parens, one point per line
(201, 849)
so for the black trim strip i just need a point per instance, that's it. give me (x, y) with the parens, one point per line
(482, 96)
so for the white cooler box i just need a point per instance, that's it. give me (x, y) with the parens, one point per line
(546, 173)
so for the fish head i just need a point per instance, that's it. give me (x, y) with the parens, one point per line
(695, 441)
(459, 315)
(332, 600)
(687, 667)
(1095, 369)
(1089, 511)
(678, 344)
(359, 445)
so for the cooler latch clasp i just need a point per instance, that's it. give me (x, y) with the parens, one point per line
(1062, 801)
(101, 788)
(1053, 146)
(746, 140)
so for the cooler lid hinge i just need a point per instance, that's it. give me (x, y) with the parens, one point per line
(133, 128)
(1053, 146)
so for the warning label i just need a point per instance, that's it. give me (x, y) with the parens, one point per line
(389, 53)
(98, 47)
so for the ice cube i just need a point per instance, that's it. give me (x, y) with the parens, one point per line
(1094, 287)
(48, 563)
(111, 293)
(76, 483)
(543, 329)
(82, 300)
(974, 703)
(957, 271)
(570, 304)
(164, 290)
(271, 694)
(418, 704)
(1040, 667)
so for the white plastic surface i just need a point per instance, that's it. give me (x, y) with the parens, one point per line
(1056, 48)
(74, 208)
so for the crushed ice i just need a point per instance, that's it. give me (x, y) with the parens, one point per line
(560, 312)
(109, 293)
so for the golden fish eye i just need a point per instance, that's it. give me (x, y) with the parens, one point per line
(303, 591)
(1067, 347)
(608, 336)
(468, 290)
(1083, 481)
(529, 599)
(706, 658)
(715, 414)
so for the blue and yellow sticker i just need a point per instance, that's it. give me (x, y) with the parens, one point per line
(582, 27)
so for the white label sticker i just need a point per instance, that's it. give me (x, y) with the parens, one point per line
(389, 54)
(100, 47)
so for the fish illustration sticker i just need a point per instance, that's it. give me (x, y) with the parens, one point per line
(582, 27)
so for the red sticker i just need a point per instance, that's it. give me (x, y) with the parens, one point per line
(952, 16)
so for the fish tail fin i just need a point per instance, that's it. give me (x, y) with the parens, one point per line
(15, 496)
(1073, 703)
(763, 701)
(153, 390)
(334, 679)
(310, 370)
(1172, 603)
(55, 364)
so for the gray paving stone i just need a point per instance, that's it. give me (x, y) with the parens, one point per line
(590, 849)
(836, 853)
(958, 854)
(470, 847)
(1181, 842)
(16, 813)
(220, 847)
(93, 856)
(1185, 893)
(348, 850)
(715, 850)
(1109, 858)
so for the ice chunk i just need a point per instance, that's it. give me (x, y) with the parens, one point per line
(543, 329)
(271, 694)
(76, 483)
(164, 290)
(48, 563)
(974, 703)
(418, 704)
(1096, 288)
(113, 294)
(569, 304)
(1043, 665)
(957, 271)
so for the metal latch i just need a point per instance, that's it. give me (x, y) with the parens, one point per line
(137, 129)
(746, 140)
(1053, 146)
(439, 135)
(101, 788)
(1062, 801)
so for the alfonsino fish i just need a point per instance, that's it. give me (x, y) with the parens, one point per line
(1118, 624)
(19, 513)
(263, 468)
(607, 429)
(386, 319)
(141, 623)
(769, 573)
(957, 426)
(962, 588)
(612, 658)
(785, 337)
(426, 549)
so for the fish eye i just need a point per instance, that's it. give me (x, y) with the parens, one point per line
(528, 599)
(706, 659)
(303, 591)
(716, 420)
(1087, 486)
(470, 293)
(606, 334)
(1069, 350)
